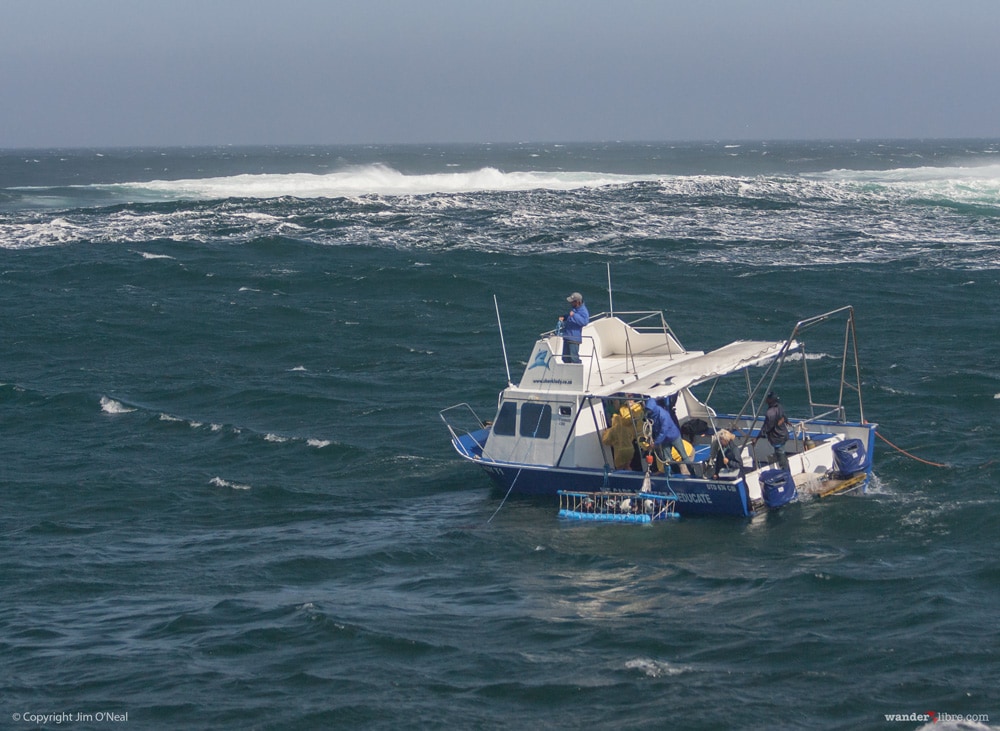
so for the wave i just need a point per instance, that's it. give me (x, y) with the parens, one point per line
(111, 406)
(366, 180)
(382, 180)
(115, 406)
(943, 216)
(219, 482)
(977, 184)
(961, 173)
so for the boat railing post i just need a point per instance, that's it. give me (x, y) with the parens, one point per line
(857, 363)
(593, 358)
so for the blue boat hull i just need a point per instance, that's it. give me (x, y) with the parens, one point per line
(693, 496)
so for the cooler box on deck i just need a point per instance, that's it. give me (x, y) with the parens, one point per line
(777, 487)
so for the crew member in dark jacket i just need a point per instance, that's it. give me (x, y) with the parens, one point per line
(775, 429)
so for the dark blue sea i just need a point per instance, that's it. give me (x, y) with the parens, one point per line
(227, 499)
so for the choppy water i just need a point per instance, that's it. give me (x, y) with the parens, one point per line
(228, 500)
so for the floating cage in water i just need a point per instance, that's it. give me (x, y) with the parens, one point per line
(617, 507)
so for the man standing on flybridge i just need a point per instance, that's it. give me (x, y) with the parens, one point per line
(573, 328)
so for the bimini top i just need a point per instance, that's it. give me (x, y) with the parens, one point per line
(620, 358)
(701, 367)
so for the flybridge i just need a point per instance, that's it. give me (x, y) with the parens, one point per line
(621, 356)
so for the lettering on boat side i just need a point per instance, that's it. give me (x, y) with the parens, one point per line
(689, 497)
(722, 486)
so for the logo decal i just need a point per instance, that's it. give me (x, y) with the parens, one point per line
(541, 360)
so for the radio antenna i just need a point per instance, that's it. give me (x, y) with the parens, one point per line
(502, 344)
(611, 306)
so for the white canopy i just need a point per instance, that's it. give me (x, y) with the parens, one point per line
(686, 372)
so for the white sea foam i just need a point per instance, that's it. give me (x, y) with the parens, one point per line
(655, 668)
(375, 180)
(784, 220)
(219, 482)
(958, 173)
(110, 406)
(976, 184)
(319, 443)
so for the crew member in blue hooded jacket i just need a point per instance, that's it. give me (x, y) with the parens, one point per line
(573, 324)
(665, 431)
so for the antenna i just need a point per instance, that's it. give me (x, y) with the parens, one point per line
(611, 306)
(502, 344)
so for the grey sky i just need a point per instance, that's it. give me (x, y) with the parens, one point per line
(191, 72)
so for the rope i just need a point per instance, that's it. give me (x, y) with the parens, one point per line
(509, 489)
(903, 451)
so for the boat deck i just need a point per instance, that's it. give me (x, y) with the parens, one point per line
(826, 485)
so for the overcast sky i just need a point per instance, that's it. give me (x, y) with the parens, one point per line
(204, 72)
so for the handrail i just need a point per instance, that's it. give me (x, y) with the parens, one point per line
(771, 372)
(850, 344)
(468, 433)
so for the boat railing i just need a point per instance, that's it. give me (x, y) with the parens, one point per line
(850, 348)
(593, 360)
(644, 322)
(836, 412)
(818, 411)
(468, 423)
(640, 322)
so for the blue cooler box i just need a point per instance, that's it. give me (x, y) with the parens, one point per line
(777, 487)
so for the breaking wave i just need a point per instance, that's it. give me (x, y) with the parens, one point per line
(110, 406)
(368, 180)
(937, 216)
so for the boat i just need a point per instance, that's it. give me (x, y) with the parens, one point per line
(549, 435)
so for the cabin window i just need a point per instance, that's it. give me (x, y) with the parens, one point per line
(565, 411)
(506, 420)
(536, 420)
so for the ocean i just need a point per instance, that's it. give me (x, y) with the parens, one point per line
(228, 500)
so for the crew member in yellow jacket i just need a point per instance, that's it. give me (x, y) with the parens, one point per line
(625, 424)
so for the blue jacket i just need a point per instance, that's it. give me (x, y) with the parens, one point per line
(574, 323)
(665, 431)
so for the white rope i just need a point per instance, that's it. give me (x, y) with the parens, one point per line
(509, 490)
(514, 481)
